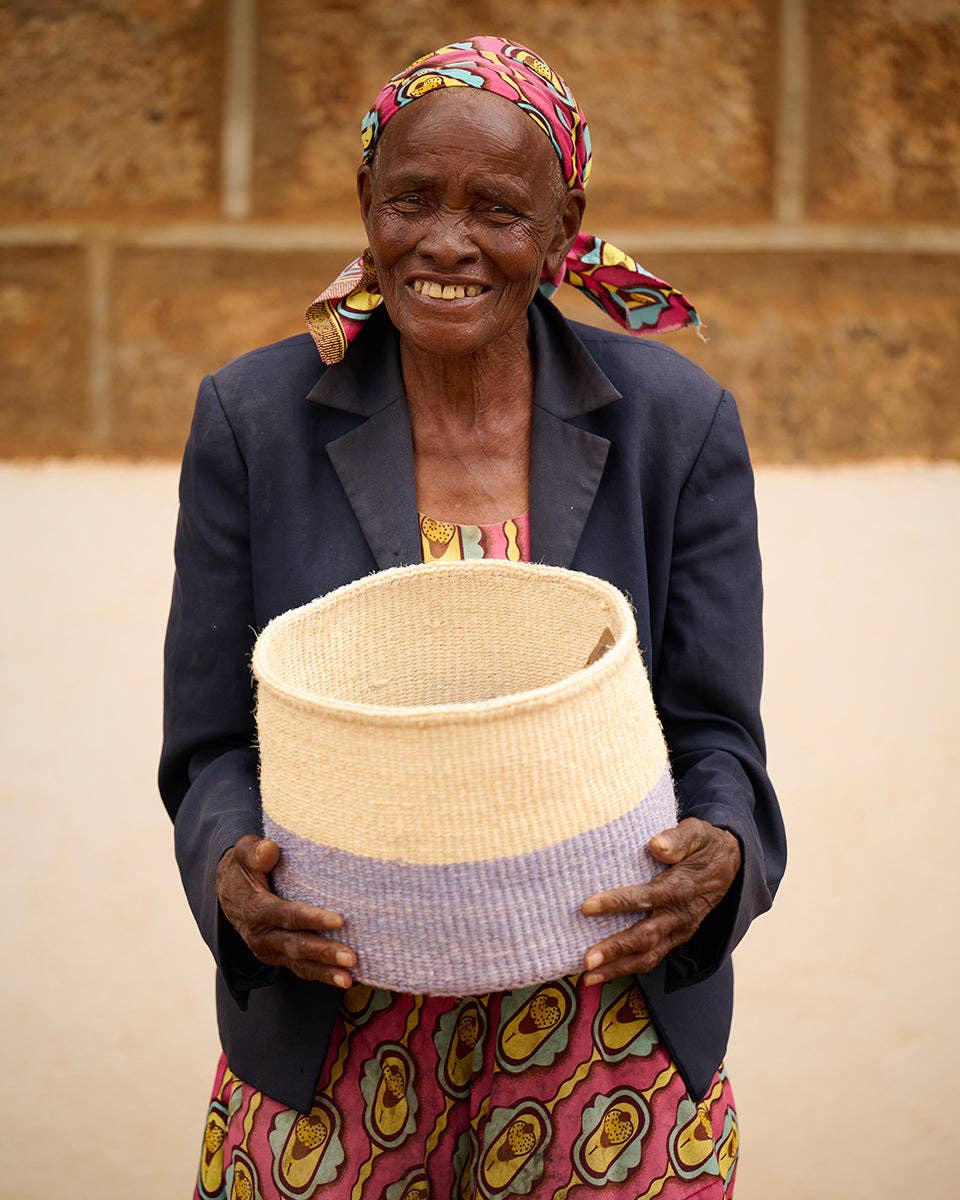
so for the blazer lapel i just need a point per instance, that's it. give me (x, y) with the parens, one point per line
(374, 461)
(375, 466)
(566, 462)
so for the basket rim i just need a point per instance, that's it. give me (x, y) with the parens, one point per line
(577, 683)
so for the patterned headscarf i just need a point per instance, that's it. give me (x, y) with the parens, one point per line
(635, 299)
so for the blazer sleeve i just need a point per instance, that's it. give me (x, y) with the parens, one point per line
(208, 773)
(707, 687)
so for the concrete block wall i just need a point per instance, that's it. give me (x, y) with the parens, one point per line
(177, 183)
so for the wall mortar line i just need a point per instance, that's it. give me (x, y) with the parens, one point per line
(99, 347)
(345, 237)
(791, 153)
(236, 145)
(52, 233)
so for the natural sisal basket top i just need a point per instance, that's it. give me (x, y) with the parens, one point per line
(454, 756)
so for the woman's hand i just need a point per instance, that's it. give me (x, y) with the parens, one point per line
(280, 932)
(702, 862)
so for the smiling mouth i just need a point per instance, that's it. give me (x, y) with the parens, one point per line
(447, 291)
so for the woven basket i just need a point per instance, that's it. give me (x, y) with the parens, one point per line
(455, 756)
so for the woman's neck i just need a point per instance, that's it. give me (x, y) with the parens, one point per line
(470, 421)
(489, 388)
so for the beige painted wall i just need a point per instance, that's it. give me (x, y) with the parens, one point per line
(845, 1050)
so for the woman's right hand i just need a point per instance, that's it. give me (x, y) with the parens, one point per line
(281, 933)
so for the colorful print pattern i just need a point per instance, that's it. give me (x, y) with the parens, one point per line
(505, 68)
(637, 300)
(442, 541)
(555, 1091)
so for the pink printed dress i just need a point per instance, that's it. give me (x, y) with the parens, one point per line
(550, 1092)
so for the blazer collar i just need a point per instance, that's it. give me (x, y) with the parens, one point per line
(569, 383)
(374, 461)
(370, 376)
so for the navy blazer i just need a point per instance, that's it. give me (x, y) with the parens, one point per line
(298, 478)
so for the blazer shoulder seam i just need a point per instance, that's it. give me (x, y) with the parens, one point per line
(228, 423)
(706, 438)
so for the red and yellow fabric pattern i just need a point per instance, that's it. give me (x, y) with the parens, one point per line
(552, 1092)
(442, 541)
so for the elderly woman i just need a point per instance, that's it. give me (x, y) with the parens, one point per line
(457, 414)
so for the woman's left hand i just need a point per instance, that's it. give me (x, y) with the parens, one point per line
(702, 862)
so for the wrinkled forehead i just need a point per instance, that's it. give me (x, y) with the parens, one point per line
(477, 128)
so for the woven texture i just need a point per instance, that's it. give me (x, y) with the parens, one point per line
(455, 792)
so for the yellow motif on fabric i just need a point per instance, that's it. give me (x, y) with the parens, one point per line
(439, 541)
(511, 533)
(443, 541)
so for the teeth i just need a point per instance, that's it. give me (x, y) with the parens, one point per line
(446, 291)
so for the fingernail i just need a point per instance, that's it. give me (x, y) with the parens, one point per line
(591, 977)
(345, 958)
(594, 958)
(342, 980)
(590, 906)
(662, 845)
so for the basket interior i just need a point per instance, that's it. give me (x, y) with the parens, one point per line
(443, 637)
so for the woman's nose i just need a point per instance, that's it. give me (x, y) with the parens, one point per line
(447, 240)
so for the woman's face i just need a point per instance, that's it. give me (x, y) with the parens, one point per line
(463, 206)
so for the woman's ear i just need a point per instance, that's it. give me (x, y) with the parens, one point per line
(568, 226)
(364, 190)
